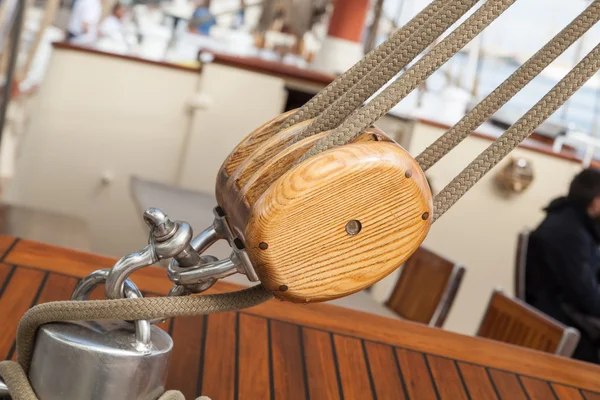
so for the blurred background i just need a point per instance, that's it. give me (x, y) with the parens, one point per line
(111, 107)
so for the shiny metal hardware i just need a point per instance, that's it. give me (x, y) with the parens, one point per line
(191, 271)
(96, 278)
(3, 390)
(167, 239)
(238, 262)
(219, 229)
(98, 360)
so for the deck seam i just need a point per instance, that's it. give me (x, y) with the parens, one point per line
(434, 384)
(236, 372)
(304, 367)
(399, 369)
(366, 357)
(270, 351)
(462, 379)
(337, 366)
(523, 387)
(33, 303)
(7, 280)
(487, 370)
(9, 249)
(202, 355)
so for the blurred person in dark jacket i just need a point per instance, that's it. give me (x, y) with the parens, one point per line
(563, 260)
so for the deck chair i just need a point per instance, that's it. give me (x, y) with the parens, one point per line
(426, 288)
(511, 320)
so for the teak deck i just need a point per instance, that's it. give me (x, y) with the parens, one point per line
(288, 351)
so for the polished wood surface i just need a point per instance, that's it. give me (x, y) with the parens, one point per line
(279, 164)
(297, 235)
(312, 352)
(512, 321)
(426, 288)
(251, 142)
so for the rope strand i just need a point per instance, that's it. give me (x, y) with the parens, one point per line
(348, 79)
(412, 78)
(510, 87)
(386, 70)
(130, 309)
(510, 139)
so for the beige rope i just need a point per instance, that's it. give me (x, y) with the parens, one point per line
(130, 309)
(16, 380)
(386, 70)
(560, 93)
(348, 79)
(510, 87)
(398, 90)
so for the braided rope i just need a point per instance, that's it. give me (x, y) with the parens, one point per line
(130, 309)
(412, 78)
(348, 79)
(510, 139)
(16, 380)
(510, 87)
(386, 70)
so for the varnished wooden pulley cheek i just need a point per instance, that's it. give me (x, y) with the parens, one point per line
(339, 222)
(262, 154)
(276, 167)
(246, 147)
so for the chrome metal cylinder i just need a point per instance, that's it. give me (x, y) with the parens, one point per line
(98, 360)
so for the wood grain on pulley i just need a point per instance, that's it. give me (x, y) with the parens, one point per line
(331, 225)
(339, 222)
(246, 147)
(273, 169)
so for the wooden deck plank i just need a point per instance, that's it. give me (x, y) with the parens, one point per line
(567, 393)
(321, 365)
(18, 296)
(385, 372)
(477, 381)
(507, 385)
(416, 375)
(289, 345)
(354, 373)
(6, 244)
(287, 361)
(57, 288)
(537, 389)
(186, 357)
(5, 274)
(446, 378)
(590, 395)
(218, 381)
(253, 358)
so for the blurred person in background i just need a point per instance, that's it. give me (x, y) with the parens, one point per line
(112, 26)
(202, 19)
(563, 261)
(83, 23)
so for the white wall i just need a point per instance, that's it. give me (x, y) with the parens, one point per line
(481, 230)
(102, 117)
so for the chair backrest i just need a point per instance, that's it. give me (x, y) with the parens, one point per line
(520, 263)
(513, 321)
(426, 288)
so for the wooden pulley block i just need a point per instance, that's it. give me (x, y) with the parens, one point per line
(331, 225)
